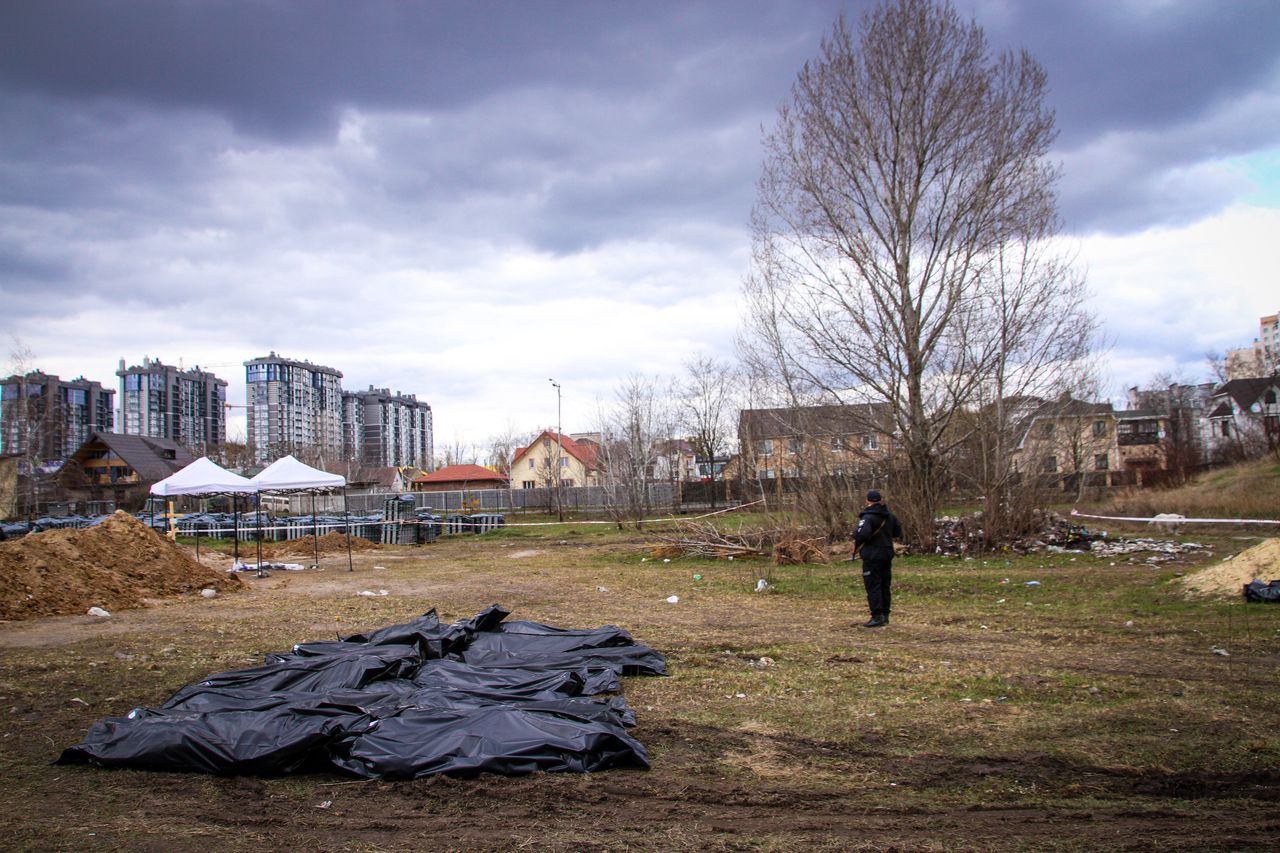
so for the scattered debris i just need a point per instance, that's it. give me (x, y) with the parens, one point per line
(209, 592)
(370, 594)
(99, 612)
(673, 599)
(1218, 650)
(762, 585)
(602, 589)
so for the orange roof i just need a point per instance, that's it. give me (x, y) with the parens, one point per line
(587, 453)
(461, 474)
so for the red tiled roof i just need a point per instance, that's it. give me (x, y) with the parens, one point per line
(588, 453)
(461, 474)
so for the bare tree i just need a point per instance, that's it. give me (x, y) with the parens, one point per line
(633, 430)
(501, 447)
(903, 168)
(705, 408)
(28, 413)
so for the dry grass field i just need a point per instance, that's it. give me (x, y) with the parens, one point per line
(1089, 711)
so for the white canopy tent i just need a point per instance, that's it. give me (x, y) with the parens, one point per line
(203, 477)
(287, 474)
(206, 477)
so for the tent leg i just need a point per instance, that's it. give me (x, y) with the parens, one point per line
(315, 531)
(346, 511)
(258, 524)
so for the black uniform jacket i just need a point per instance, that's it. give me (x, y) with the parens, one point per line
(877, 528)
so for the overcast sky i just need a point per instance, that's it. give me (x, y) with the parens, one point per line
(462, 200)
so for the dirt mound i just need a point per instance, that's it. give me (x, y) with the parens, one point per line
(330, 543)
(1261, 562)
(115, 565)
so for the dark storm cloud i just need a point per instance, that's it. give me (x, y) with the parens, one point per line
(285, 69)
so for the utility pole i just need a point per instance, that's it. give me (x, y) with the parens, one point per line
(559, 452)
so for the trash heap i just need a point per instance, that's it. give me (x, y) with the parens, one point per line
(405, 701)
(957, 536)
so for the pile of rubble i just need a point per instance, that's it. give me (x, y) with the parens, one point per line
(959, 536)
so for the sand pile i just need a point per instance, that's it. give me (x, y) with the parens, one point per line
(1261, 562)
(115, 565)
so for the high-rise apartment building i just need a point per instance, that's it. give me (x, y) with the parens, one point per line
(293, 406)
(185, 406)
(51, 417)
(383, 429)
(1268, 343)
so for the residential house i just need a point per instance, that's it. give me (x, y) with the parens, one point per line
(1245, 418)
(383, 479)
(1067, 439)
(850, 441)
(556, 459)
(453, 478)
(1186, 408)
(113, 466)
(1079, 443)
(676, 462)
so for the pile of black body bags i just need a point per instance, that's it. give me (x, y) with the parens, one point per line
(478, 695)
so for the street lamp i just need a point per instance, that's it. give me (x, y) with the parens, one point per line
(559, 453)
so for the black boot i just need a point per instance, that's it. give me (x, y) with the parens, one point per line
(876, 622)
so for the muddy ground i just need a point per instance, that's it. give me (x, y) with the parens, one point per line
(964, 726)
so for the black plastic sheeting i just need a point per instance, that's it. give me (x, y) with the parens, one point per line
(478, 695)
(1260, 591)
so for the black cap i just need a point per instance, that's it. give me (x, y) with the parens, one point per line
(873, 496)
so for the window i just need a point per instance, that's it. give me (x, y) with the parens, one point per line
(1046, 430)
(766, 447)
(1049, 465)
(1226, 429)
(870, 442)
(532, 463)
(796, 445)
(564, 461)
(546, 443)
(546, 462)
(1099, 429)
(837, 442)
(1100, 461)
(528, 484)
(566, 484)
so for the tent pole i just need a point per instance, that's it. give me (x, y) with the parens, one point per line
(235, 529)
(315, 534)
(346, 511)
(258, 524)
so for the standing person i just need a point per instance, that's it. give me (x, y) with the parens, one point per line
(873, 542)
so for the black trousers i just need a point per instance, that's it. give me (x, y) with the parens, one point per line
(877, 576)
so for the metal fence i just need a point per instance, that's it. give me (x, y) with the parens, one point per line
(575, 499)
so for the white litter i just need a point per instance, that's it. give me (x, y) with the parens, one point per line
(370, 594)
(602, 589)
(209, 592)
(673, 599)
(98, 611)
(762, 585)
